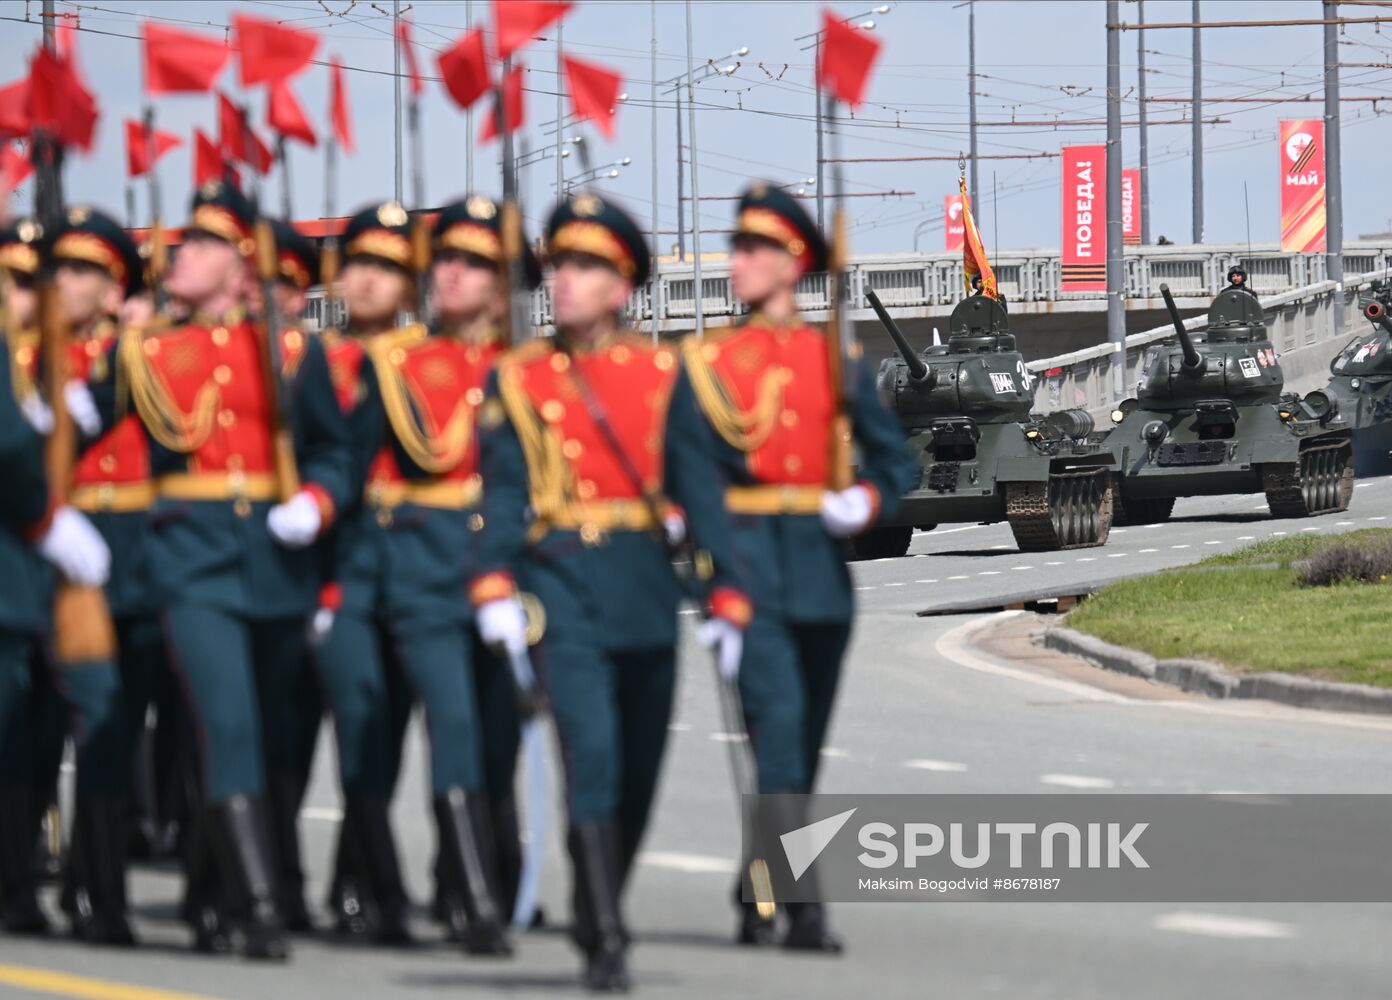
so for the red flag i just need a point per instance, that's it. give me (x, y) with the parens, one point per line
(286, 116)
(208, 164)
(512, 106)
(138, 156)
(974, 262)
(403, 35)
(66, 35)
(270, 52)
(181, 61)
(260, 155)
(465, 69)
(59, 103)
(594, 91)
(846, 57)
(518, 21)
(338, 107)
(15, 167)
(231, 130)
(14, 109)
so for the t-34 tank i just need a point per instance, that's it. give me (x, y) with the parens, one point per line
(1210, 418)
(985, 457)
(1359, 394)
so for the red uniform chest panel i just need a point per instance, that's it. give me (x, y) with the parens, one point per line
(750, 363)
(443, 375)
(345, 357)
(189, 360)
(633, 382)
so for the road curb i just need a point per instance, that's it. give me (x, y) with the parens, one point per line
(1216, 681)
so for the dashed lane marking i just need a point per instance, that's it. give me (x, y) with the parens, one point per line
(1246, 538)
(1086, 559)
(939, 766)
(893, 584)
(1309, 529)
(1222, 925)
(959, 577)
(925, 581)
(1343, 524)
(322, 814)
(1116, 555)
(1380, 517)
(692, 864)
(867, 587)
(678, 727)
(1146, 551)
(1018, 568)
(989, 572)
(727, 737)
(1076, 781)
(836, 753)
(1278, 534)
(1213, 542)
(1185, 546)
(64, 985)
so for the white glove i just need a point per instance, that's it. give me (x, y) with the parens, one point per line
(674, 527)
(502, 622)
(76, 548)
(82, 407)
(37, 412)
(847, 512)
(296, 522)
(727, 640)
(320, 625)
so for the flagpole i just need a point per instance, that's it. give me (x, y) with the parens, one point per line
(396, 90)
(328, 251)
(158, 251)
(282, 153)
(469, 115)
(695, 186)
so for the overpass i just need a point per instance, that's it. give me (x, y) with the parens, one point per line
(920, 290)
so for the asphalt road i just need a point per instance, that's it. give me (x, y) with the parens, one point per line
(922, 709)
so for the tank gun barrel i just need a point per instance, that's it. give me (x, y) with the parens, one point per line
(919, 373)
(1376, 311)
(1193, 361)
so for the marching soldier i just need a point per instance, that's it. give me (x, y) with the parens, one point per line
(237, 576)
(764, 386)
(31, 529)
(596, 434)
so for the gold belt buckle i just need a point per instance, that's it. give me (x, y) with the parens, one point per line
(590, 535)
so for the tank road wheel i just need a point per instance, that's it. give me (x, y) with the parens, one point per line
(1319, 483)
(883, 543)
(1134, 510)
(1072, 509)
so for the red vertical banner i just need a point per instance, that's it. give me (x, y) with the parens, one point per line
(954, 228)
(1302, 186)
(1131, 207)
(1084, 219)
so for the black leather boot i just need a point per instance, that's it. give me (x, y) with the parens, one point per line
(97, 872)
(808, 930)
(19, 906)
(466, 860)
(204, 909)
(598, 929)
(286, 794)
(345, 900)
(248, 867)
(373, 852)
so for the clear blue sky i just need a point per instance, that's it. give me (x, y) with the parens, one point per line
(1037, 61)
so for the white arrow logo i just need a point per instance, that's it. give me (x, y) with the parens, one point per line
(805, 844)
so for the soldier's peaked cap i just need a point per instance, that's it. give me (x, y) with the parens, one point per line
(220, 209)
(19, 246)
(382, 232)
(588, 224)
(88, 236)
(771, 213)
(297, 258)
(474, 225)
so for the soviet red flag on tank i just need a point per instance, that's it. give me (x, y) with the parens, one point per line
(1303, 221)
(844, 59)
(181, 61)
(594, 92)
(518, 21)
(464, 67)
(1084, 219)
(974, 262)
(287, 117)
(338, 107)
(139, 140)
(512, 106)
(268, 51)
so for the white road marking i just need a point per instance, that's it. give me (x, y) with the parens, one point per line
(1116, 555)
(1002, 546)
(894, 584)
(1144, 551)
(1076, 781)
(1260, 506)
(1246, 538)
(727, 737)
(1343, 524)
(1309, 529)
(835, 752)
(950, 531)
(692, 864)
(1118, 531)
(1053, 564)
(1179, 546)
(957, 577)
(1214, 542)
(1221, 925)
(322, 814)
(1380, 517)
(925, 581)
(1278, 534)
(1086, 559)
(989, 572)
(868, 587)
(678, 727)
(940, 766)
(1018, 568)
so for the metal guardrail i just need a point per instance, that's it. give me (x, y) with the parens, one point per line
(1297, 318)
(934, 280)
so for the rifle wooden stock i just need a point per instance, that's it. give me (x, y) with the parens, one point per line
(282, 440)
(840, 464)
(420, 261)
(513, 283)
(328, 277)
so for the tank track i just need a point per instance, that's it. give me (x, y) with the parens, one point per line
(1319, 483)
(1072, 510)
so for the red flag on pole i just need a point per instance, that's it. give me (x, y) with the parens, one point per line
(974, 262)
(512, 106)
(518, 21)
(259, 155)
(846, 57)
(208, 162)
(403, 36)
(138, 159)
(594, 91)
(14, 109)
(15, 168)
(231, 137)
(59, 103)
(270, 52)
(286, 116)
(338, 107)
(181, 61)
(464, 68)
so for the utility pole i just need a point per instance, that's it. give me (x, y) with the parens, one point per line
(560, 115)
(817, 96)
(971, 95)
(469, 115)
(1116, 273)
(1333, 175)
(652, 75)
(1196, 113)
(396, 87)
(1144, 141)
(695, 182)
(681, 187)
